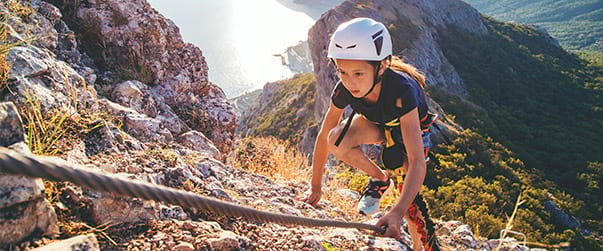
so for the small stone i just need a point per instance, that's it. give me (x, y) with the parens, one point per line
(172, 212)
(188, 225)
(227, 241)
(313, 241)
(142, 127)
(80, 243)
(184, 246)
(348, 193)
(158, 236)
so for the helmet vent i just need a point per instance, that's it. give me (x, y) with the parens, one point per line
(351, 46)
(378, 40)
(377, 34)
(378, 44)
(338, 46)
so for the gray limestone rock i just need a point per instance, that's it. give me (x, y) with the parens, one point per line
(19, 221)
(23, 208)
(130, 40)
(78, 243)
(11, 126)
(197, 141)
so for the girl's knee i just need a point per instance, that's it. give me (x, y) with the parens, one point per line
(332, 137)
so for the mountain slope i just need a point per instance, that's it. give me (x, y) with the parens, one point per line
(535, 98)
(576, 24)
(284, 109)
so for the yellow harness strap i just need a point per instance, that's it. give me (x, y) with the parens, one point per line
(400, 178)
(389, 141)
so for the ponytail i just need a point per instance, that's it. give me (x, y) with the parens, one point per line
(398, 64)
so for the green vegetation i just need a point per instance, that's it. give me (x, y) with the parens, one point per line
(595, 58)
(477, 182)
(576, 24)
(328, 247)
(43, 131)
(162, 153)
(281, 117)
(51, 131)
(540, 10)
(543, 105)
(4, 48)
(356, 181)
(577, 35)
(19, 9)
(23, 11)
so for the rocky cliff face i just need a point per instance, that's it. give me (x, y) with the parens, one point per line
(129, 40)
(127, 86)
(414, 27)
(298, 58)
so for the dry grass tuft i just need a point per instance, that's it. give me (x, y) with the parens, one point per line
(43, 131)
(72, 228)
(510, 221)
(271, 157)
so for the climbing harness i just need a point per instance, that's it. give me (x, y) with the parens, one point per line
(55, 170)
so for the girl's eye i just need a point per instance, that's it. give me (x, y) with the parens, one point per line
(341, 72)
(358, 74)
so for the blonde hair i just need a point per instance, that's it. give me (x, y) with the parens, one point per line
(396, 63)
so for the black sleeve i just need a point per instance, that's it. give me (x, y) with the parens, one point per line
(409, 97)
(340, 96)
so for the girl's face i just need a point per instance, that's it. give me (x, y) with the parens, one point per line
(357, 75)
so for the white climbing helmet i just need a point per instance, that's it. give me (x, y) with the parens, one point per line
(360, 39)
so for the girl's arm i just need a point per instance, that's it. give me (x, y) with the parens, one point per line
(413, 142)
(321, 153)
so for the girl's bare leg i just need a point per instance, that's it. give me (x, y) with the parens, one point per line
(361, 131)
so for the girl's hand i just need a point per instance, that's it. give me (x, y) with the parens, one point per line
(391, 221)
(312, 196)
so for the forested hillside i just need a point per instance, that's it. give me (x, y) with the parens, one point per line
(578, 25)
(536, 99)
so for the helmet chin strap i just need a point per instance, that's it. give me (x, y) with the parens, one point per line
(376, 80)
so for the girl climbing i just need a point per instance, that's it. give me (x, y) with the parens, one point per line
(388, 95)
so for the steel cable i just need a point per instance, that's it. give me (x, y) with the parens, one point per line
(33, 166)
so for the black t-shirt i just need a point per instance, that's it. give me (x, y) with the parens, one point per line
(395, 85)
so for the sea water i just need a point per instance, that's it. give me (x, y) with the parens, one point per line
(239, 38)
